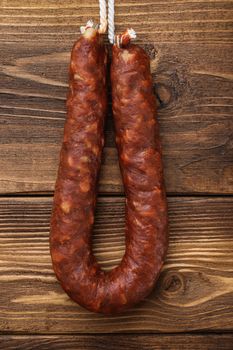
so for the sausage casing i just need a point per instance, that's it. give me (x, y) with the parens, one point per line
(141, 166)
(75, 191)
(139, 150)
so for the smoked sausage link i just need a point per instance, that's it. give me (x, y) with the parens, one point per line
(139, 150)
(140, 160)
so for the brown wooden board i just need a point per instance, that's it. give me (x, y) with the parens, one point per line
(161, 20)
(195, 291)
(190, 44)
(117, 342)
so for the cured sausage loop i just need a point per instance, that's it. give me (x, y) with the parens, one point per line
(141, 166)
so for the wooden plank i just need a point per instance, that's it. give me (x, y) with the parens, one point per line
(194, 87)
(113, 342)
(167, 21)
(195, 291)
(192, 66)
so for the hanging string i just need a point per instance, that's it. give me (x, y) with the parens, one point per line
(103, 16)
(111, 27)
(125, 38)
(90, 24)
(122, 39)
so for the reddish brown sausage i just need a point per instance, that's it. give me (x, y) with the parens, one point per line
(140, 160)
(139, 150)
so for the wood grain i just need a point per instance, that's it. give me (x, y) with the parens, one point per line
(195, 291)
(191, 48)
(167, 21)
(116, 342)
(194, 88)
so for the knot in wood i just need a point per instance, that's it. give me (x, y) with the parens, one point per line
(163, 94)
(173, 283)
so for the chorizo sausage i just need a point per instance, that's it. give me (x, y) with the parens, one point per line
(140, 160)
(139, 150)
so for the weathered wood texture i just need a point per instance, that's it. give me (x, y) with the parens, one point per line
(190, 43)
(117, 342)
(165, 21)
(191, 47)
(195, 291)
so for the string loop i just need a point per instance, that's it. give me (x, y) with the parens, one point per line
(105, 21)
(111, 26)
(103, 16)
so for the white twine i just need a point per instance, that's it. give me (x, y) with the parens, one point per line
(111, 27)
(103, 19)
(90, 24)
(132, 34)
(129, 33)
(126, 37)
(103, 16)
(119, 39)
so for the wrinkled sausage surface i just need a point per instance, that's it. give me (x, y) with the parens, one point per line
(139, 150)
(140, 160)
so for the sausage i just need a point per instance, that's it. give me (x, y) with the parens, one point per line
(139, 150)
(140, 160)
(80, 157)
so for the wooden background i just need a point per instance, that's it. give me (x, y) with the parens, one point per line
(190, 43)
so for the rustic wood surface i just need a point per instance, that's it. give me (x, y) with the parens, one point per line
(191, 49)
(116, 342)
(190, 43)
(195, 291)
